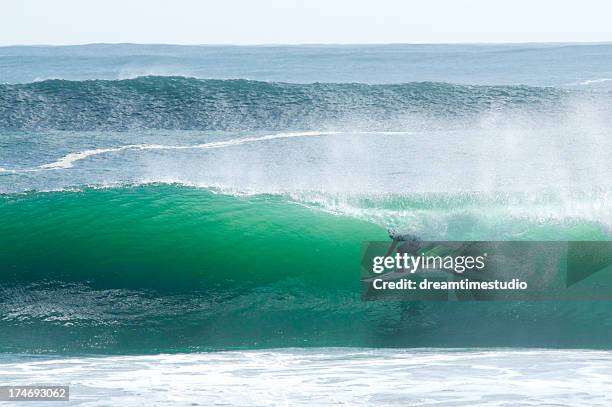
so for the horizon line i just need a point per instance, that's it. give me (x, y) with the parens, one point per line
(311, 44)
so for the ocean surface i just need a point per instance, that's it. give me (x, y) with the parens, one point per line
(166, 210)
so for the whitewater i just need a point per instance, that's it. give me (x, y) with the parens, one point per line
(356, 377)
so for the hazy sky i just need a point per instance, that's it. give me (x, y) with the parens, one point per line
(307, 21)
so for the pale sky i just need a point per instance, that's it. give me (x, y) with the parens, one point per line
(299, 22)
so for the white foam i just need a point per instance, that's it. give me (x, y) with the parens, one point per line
(591, 81)
(587, 82)
(68, 160)
(325, 376)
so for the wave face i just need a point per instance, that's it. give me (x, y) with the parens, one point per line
(181, 103)
(168, 268)
(162, 236)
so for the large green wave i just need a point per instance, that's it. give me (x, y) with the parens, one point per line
(168, 268)
(170, 236)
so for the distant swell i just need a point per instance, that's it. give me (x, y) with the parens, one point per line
(192, 104)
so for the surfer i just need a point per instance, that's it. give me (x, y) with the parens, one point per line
(410, 243)
(409, 309)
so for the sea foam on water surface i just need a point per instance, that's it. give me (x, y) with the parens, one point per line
(326, 376)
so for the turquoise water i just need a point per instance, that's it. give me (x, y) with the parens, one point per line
(92, 270)
(183, 199)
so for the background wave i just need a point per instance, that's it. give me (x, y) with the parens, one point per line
(182, 103)
(476, 64)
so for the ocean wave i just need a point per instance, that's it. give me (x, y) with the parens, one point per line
(539, 215)
(91, 227)
(194, 104)
(198, 270)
